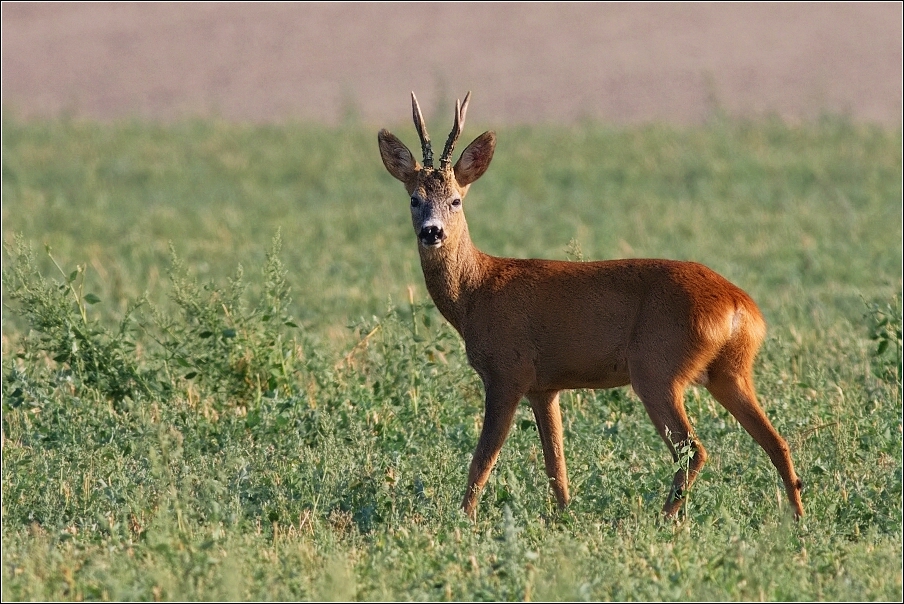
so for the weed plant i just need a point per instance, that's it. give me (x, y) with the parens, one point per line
(176, 427)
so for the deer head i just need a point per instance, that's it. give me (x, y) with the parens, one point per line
(437, 193)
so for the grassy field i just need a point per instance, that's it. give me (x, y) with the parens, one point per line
(223, 378)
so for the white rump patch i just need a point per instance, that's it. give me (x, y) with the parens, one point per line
(735, 322)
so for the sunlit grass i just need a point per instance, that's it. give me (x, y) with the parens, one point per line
(323, 455)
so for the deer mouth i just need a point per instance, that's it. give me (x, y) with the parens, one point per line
(432, 244)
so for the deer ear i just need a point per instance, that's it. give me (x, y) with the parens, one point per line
(396, 156)
(475, 159)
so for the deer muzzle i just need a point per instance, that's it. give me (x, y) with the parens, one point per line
(431, 235)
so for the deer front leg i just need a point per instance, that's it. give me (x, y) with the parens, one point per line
(501, 403)
(549, 425)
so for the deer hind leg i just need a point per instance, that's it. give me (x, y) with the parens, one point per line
(735, 391)
(664, 403)
(549, 424)
(501, 403)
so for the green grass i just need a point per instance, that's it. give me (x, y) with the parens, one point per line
(175, 428)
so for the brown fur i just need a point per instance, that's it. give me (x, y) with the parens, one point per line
(535, 327)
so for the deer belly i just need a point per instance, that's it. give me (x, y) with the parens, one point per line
(586, 371)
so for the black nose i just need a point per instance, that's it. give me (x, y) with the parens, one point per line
(431, 235)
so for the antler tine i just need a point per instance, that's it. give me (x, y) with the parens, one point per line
(421, 127)
(460, 110)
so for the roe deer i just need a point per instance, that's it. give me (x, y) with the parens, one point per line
(535, 327)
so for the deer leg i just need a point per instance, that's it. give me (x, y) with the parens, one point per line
(549, 424)
(499, 412)
(736, 393)
(665, 406)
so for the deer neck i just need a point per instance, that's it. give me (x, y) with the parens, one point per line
(453, 272)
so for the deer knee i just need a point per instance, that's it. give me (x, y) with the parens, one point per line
(700, 454)
(689, 452)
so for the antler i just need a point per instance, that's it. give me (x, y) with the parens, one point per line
(422, 132)
(460, 110)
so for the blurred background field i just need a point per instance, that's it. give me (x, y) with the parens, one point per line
(526, 63)
(794, 213)
(175, 426)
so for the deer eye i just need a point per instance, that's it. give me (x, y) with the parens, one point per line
(456, 202)
(415, 202)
